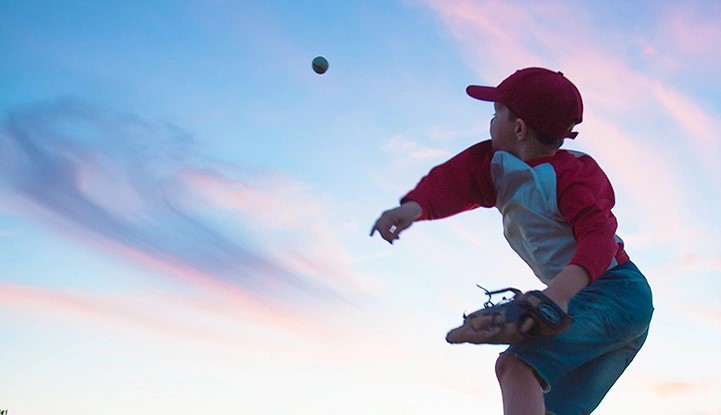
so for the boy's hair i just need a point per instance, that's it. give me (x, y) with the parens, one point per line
(546, 100)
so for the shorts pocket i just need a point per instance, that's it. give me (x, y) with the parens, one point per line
(629, 312)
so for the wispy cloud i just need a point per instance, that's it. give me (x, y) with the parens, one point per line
(102, 310)
(698, 125)
(134, 188)
(692, 32)
(227, 324)
(284, 215)
(498, 37)
(679, 387)
(402, 145)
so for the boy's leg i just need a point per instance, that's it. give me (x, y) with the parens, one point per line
(520, 388)
(582, 390)
(612, 319)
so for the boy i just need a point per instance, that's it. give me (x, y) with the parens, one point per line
(556, 209)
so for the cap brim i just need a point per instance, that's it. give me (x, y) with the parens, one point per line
(484, 93)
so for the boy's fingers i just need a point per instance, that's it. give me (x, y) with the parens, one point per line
(377, 227)
(374, 229)
(480, 320)
(486, 333)
(527, 325)
(470, 334)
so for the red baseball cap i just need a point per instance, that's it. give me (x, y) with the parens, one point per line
(546, 100)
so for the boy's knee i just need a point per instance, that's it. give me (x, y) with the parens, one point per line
(510, 367)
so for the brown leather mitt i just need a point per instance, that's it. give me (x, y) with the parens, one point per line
(514, 321)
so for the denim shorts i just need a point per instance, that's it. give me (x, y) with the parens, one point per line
(579, 366)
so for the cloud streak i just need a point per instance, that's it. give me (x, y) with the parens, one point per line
(129, 187)
(247, 328)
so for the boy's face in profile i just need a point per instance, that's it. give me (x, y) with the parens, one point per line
(503, 136)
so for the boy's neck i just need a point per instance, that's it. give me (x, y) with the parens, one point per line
(531, 152)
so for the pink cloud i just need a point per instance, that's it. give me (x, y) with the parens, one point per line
(693, 31)
(678, 387)
(408, 148)
(289, 217)
(700, 127)
(269, 273)
(220, 317)
(486, 43)
(102, 310)
(499, 37)
(228, 323)
(124, 185)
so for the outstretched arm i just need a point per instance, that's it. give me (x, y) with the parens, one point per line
(460, 184)
(394, 221)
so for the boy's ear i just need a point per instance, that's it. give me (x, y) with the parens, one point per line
(520, 128)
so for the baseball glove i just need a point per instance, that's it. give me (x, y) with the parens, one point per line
(511, 321)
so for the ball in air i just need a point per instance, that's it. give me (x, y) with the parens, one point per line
(320, 65)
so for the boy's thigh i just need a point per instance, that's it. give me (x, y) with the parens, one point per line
(582, 390)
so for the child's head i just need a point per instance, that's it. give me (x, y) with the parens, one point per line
(545, 100)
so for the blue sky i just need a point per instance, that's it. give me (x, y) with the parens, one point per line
(185, 205)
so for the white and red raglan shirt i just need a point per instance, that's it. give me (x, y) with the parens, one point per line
(556, 210)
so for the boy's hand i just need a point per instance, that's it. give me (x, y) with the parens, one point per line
(567, 284)
(525, 316)
(394, 221)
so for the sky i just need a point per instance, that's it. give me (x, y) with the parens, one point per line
(185, 205)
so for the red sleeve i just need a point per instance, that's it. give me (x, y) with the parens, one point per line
(585, 199)
(460, 184)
